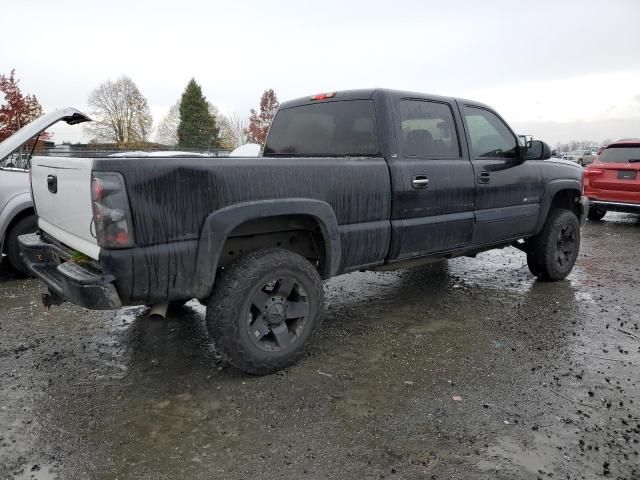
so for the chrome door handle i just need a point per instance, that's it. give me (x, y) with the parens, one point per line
(420, 181)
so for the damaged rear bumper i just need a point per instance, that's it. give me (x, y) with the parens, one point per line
(66, 279)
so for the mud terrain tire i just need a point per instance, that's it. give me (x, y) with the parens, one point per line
(264, 309)
(553, 252)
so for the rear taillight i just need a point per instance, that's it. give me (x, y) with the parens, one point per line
(593, 172)
(111, 214)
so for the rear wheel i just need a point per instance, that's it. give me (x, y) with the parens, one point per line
(23, 226)
(553, 252)
(596, 214)
(264, 309)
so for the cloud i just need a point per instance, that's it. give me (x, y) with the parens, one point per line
(569, 61)
(591, 130)
(574, 99)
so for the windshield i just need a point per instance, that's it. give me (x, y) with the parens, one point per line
(621, 154)
(330, 129)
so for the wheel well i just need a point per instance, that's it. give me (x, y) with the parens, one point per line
(298, 233)
(567, 200)
(19, 216)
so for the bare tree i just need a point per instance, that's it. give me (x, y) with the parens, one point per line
(120, 112)
(167, 131)
(213, 110)
(233, 131)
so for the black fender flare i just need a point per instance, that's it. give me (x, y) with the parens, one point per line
(553, 187)
(219, 224)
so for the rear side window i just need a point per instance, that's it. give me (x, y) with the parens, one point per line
(490, 136)
(620, 154)
(328, 129)
(428, 129)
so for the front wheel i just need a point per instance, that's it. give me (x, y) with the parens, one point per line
(264, 309)
(553, 252)
(596, 214)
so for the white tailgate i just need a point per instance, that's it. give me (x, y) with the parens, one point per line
(67, 214)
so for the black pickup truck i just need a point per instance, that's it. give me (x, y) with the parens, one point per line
(353, 180)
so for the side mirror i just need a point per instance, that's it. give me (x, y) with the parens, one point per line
(537, 150)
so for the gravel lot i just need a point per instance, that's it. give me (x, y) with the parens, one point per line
(465, 370)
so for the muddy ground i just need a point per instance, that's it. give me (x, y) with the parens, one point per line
(546, 380)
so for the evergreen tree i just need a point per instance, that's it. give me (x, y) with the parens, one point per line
(197, 128)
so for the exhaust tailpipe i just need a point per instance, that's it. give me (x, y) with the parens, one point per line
(159, 311)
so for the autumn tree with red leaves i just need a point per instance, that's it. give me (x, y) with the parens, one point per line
(259, 122)
(17, 109)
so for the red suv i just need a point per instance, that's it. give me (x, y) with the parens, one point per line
(612, 181)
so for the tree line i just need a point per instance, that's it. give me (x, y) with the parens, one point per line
(121, 116)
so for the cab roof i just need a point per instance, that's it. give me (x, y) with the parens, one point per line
(372, 93)
(625, 141)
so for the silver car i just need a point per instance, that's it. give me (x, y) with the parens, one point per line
(581, 157)
(17, 215)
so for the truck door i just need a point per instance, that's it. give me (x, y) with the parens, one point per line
(508, 190)
(433, 181)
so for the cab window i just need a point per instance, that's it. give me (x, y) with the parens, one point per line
(428, 129)
(327, 129)
(490, 136)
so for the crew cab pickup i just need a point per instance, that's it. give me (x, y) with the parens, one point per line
(353, 180)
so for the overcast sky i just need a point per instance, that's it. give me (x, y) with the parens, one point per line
(559, 70)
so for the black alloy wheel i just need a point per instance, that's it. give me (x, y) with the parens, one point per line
(552, 253)
(277, 314)
(566, 245)
(264, 309)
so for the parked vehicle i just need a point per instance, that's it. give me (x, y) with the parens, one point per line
(612, 182)
(581, 157)
(17, 215)
(16, 212)
(355, 180)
